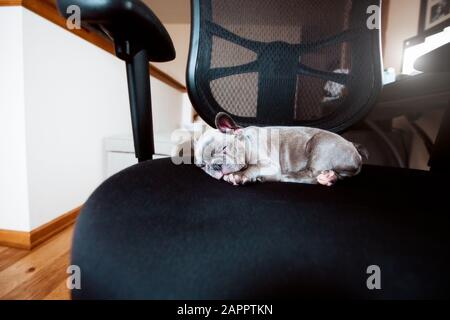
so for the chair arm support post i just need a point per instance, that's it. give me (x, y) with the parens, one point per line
(140, 105)
(440, 157)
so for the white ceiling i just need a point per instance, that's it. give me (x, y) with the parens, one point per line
(171, 11)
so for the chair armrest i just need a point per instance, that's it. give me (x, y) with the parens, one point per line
(125, 20)
(139, 37)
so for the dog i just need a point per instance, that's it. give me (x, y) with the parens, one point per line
(284, 154)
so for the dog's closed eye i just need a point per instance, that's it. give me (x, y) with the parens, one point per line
(219, 151)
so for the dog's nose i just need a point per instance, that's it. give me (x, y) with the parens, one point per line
(217, 167)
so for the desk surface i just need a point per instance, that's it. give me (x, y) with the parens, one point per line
(437, 60)
(412, 95)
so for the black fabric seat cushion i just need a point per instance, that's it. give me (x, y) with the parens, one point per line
(160, 231)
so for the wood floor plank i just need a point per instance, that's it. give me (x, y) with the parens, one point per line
(39, 272)
(9, 256)
(61, 292)
(43, 282)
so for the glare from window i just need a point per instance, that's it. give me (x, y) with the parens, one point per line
(412, 53)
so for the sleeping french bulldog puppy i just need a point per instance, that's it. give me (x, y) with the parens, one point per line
(286, 154)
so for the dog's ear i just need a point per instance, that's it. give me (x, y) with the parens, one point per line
(362, 151)
(225, 123)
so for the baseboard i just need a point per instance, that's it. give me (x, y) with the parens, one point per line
(15, 239)
(10, 3)
(29, 240)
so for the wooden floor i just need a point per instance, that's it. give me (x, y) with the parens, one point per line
(39, 273)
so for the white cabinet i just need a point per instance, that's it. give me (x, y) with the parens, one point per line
(119, 152)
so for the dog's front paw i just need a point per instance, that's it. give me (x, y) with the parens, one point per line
(236, 179)
(327, 178)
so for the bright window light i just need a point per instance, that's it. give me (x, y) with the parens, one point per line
(413, 53)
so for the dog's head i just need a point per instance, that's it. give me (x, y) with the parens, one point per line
(221, 151)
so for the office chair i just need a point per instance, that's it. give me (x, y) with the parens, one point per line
(163, 231)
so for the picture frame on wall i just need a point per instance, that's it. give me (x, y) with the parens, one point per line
(434, 16)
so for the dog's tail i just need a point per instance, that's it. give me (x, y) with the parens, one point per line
(362, 151)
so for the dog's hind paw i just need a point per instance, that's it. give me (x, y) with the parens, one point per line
(327, 178)
(236, 179)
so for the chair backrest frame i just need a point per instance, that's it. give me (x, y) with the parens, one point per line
(206, 106)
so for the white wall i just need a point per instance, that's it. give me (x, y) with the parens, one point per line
(181, 37)
(75, 95)
(403, 23)
(167, 106)
(14, 213)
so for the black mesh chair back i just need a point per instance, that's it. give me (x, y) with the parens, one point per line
(284, 62)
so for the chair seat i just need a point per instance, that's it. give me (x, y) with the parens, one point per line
(161, 231)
